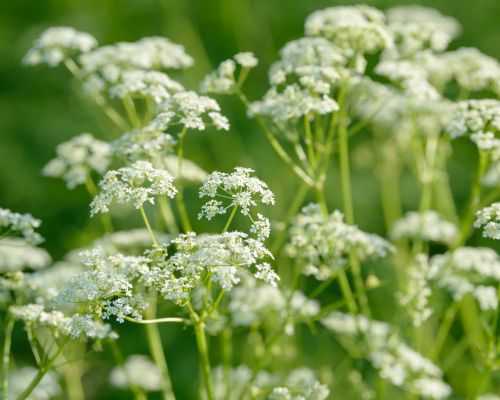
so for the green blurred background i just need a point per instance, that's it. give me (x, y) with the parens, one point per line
(41, 107)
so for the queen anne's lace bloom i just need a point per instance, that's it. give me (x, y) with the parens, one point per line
(190, 111)
(321, 243)
(469, 270)
(139, 371)
(78, 158)
(300, 384)
(143, 144)
(48, 387)
(12, 223)
(356, 29)
(239, 187)
(417, 28)
(137, 184)
(57, 44)
(429, 226)
(17, 255)
(489, 219)
(397, 363)
(475, 116)
(149, 53)
(291, 104)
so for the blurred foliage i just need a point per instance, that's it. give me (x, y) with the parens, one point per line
(41, 107)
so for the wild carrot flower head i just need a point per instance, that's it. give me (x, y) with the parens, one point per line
(57, 44)
(13, 224)
(137, 184)
(489, 220)
(77, 158)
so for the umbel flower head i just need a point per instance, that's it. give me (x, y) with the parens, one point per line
(138, 370)
(428, 226)
(321, 244)
(78, 158)
(57, 44)
(136, 184)
(149, 53)
(416, 28)
(12, 224)
(475, 117)
(489, 220)
(239, 188)
(355, 29)
(190, 111)
(473, 270)
(223, 80)
(16, 255)
(395, 361)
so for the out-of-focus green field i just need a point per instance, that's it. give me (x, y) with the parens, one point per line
(40, 107)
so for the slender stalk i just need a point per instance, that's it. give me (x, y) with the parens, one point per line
(148, 226)
(168, 215)
(9, 326)
(158, 320)
(277, 146)
(227, 357)
(98, 98)
(186, 224)
(157, 353)
(475, 200)
(309, 141)
(201, 342)
(345, 180)
(41, 373)
(230, 219)
(133, 116)
(444, 330)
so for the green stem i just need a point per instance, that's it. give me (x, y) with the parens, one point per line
(475, 200)
(157, 320)
(98, 98)
(168, 215)
(276, 145)
(41, 373)
(186, 224)
(148, 226)
(345, 180)
(129, 106)
(230, 219)
(444, 330)
(202, 345)
(156, 349)
(309, 141)
(227, 356)
(9, 326)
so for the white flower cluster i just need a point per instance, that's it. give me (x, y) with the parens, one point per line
(356, 29)
(416, 28)
(415, 295)
(137, 184)
(489, 220)
(57, 44)
(240, 189)
(48, 388)
(222, 80)
(411, 78)
(300, 384)
(429, 226)
(16, 255)
(397, 362)
(475, 116)
(149, 53)
(307, 57)
(34, 315)
(292, 103)
(222, 256)
(190, 111)
(143, 144)
(468, 270)
(139, 84)
(139, 371)
(258, 303)
(12, 223)
(78, 158)
(321, 244)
